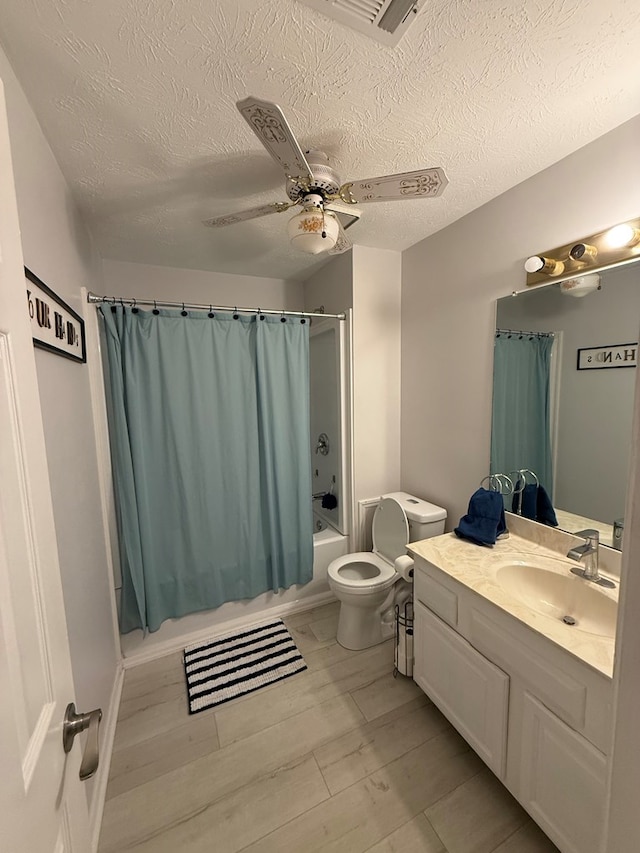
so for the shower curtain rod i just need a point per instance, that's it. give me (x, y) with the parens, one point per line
(521, 332)
(94, 298)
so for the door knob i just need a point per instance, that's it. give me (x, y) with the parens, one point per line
(74, 724)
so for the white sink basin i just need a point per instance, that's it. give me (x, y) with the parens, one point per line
(580, 604)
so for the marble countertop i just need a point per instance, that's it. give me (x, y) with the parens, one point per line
(476, 568)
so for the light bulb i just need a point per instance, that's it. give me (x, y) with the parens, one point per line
(583, 252)
(537, 263)
(622, 235)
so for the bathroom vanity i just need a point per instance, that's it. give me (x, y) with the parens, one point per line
(530, 693)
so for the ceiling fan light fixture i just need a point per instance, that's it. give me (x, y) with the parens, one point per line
(306, 230)
(580, 286)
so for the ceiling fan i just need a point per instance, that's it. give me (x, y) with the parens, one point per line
(312, 183)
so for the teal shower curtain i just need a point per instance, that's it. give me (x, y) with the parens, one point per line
(209, 425)
(520, 429)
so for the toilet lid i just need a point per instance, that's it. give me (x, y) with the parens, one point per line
(390, 530)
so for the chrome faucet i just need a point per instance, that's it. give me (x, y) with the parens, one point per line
(588, 552)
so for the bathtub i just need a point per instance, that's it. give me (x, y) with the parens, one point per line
(175, 634)
(328, 544)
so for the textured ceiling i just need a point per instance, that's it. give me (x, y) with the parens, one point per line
(137, 99)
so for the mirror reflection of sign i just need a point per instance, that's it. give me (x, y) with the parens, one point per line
(55, 326)
(595, 358)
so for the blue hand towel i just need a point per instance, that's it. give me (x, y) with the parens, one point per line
(484, 520)
(529, 505)
(545, 512)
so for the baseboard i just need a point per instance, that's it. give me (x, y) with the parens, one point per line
(106, 750)
(176, 644)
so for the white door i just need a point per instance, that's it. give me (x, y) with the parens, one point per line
(43, 806)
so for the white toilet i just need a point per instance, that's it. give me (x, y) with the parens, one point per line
(363, 582)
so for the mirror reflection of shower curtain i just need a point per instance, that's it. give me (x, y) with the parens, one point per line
(520, 428)
(209, 428)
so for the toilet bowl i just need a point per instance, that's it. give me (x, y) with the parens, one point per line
(365, 582)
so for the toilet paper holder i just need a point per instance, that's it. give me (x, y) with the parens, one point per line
(403, 646)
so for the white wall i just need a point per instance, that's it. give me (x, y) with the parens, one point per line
(449, 286)
(376, 371)
(58, 250)
(331, 286)
(144, 281)
(596, 406)
(369, 281)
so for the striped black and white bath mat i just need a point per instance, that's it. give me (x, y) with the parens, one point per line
(239, 663)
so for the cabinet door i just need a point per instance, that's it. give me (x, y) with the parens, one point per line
(562, 780)
(470, 690)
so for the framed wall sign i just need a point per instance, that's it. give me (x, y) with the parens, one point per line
(54, 325)
(598, 358)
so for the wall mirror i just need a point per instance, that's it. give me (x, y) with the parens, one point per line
(564, 382)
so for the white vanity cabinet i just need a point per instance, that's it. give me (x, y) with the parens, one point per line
(472, 692)
(538, 716)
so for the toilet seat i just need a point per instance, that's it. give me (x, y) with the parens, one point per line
(390, 530)
(368, 572)
(383, 574)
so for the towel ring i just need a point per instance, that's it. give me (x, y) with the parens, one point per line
(492, 487)
(525, 471)
(508, 484)
(518, 479)
(499, 483)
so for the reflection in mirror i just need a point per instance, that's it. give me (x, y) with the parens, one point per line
(563, 414)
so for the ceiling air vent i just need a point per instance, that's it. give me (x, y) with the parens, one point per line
(384, 20)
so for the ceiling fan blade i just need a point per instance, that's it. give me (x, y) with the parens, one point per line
(346, 214)
(268, 123)
(254, 213)
(343, 243)
(423, 183)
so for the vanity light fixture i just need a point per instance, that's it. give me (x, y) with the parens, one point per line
(622, 235)
(617, 245)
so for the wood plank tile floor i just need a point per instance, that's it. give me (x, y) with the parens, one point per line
(342, 757)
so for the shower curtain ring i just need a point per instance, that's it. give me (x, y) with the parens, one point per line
(235, 312)
(260, 314)
(183, 312)
(155, 308)
(134, 309)
(283, 319)
(211, 314)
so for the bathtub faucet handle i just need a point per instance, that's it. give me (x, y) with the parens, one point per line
(322, 445)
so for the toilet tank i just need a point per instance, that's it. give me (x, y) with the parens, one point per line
(425, 519)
